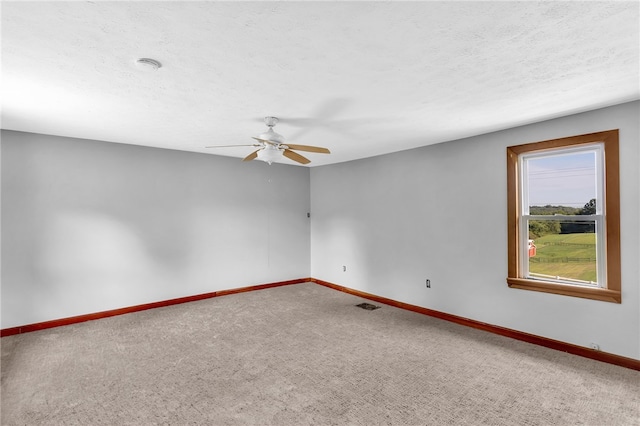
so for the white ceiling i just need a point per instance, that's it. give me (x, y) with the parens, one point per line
(361, 78)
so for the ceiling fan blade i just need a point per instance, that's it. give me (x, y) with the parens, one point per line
(295, 156)
(264, 141)
(308, 148)
(229, 146)
(251, 156)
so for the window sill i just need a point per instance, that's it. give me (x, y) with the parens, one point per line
(602, 294)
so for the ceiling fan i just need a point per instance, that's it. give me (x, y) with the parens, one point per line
(272, 146)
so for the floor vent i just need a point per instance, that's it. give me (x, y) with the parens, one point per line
(367, 306)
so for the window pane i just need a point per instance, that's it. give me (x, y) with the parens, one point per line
(567, 257)
(566, 180)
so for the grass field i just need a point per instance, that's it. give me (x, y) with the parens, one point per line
(565, 255)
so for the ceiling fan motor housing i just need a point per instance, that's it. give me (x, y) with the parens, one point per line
(272, 136)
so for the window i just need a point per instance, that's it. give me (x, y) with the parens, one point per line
(564, 216)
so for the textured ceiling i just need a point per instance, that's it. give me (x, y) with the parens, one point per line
(361, 78)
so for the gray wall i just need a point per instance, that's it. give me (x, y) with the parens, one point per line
(439, 212)
(89, 226)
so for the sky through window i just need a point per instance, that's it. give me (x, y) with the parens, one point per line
(562, 180)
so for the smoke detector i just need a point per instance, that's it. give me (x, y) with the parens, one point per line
(148, 64)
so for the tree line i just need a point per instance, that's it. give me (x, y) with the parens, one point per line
(538, 228)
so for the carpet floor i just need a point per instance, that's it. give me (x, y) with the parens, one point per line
(300, 354)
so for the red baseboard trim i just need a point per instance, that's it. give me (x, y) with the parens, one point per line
(261, 286)
(514, 334)
(137, 308)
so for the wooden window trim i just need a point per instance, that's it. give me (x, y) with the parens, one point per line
(612, 292)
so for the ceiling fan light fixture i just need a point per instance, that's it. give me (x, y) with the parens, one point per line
(269, 154)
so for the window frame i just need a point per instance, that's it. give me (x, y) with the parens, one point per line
(611, 289)
(597, 218)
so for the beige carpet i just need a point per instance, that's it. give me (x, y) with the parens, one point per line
(297, 355)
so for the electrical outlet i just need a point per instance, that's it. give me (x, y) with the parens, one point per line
(428, 283)
(344, 268)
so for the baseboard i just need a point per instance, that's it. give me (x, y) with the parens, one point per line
(514, 334)
(121, 311)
